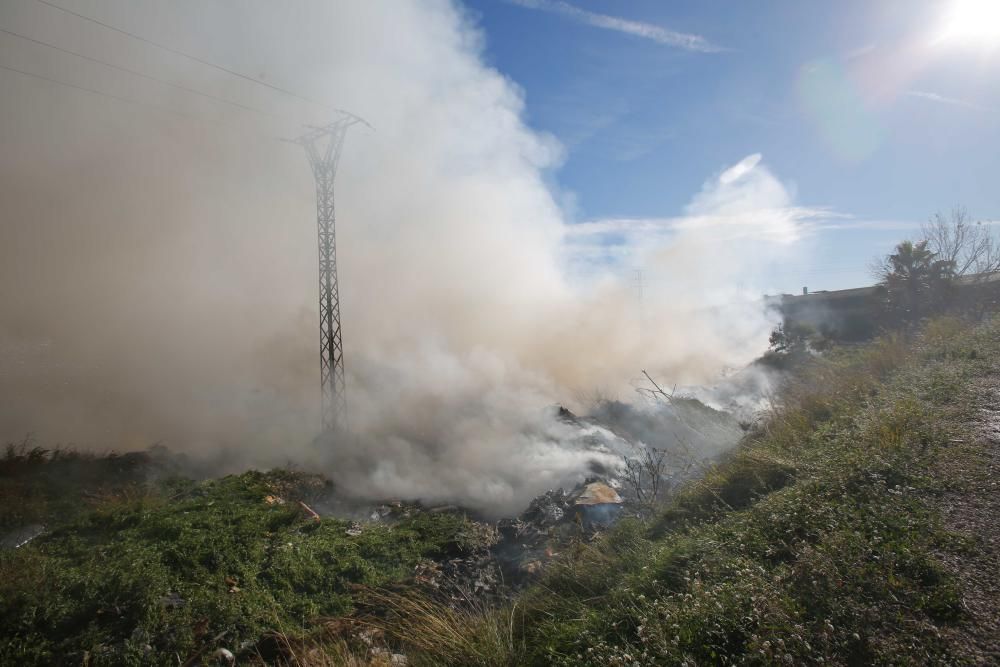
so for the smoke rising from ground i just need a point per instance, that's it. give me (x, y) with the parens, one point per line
(157, 270)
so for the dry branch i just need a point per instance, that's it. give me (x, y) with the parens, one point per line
(315, 517)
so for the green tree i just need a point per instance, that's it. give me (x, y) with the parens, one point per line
(915, 281)
(792, 338)
(791, 342)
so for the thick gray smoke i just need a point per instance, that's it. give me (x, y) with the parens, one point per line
(157, 270)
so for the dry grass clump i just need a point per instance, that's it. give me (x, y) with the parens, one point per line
(469, 633)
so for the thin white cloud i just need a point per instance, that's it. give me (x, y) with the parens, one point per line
(953, 101)
(802, 218)
(659, 34)
(806, 219)
(859, 52)
(850, 223)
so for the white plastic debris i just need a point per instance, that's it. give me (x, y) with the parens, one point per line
(224, 655)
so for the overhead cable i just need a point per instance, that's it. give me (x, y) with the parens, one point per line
(139, 74)
(194, 58)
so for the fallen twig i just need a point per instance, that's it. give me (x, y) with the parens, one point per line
(315, 517)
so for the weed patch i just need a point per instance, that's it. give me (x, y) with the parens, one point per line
(147, 579)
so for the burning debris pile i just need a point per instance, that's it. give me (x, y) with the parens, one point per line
(551, 522)
(671, 440)
(502, 556)
(678, 436)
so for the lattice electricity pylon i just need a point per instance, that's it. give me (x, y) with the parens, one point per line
(323, 145)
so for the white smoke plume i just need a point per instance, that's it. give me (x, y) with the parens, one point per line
(157, 270)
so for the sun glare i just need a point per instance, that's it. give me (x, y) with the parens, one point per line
(972, 21)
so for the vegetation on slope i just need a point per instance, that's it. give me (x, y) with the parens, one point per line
(818, 541)
(155, 574)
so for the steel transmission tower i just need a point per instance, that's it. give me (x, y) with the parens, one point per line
(323, 146)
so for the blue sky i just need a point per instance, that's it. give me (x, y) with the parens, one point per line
(856, 107)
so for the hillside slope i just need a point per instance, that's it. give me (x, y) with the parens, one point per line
(855, 527)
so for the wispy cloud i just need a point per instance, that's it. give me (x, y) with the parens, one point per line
(846, 222)
(941, 99)
(859, 52)
(806, 220)
(648, 31)
(746, 223)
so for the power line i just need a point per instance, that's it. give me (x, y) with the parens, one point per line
(188, 56)
(102, 93)
(139, 74)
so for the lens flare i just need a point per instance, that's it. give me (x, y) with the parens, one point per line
(972, 21)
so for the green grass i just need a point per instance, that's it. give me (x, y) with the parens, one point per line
(147, 578)
(813, 542)
(40, 485)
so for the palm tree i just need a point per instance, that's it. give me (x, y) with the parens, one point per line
(915, 281)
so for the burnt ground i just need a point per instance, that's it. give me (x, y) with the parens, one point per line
(971, 509)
